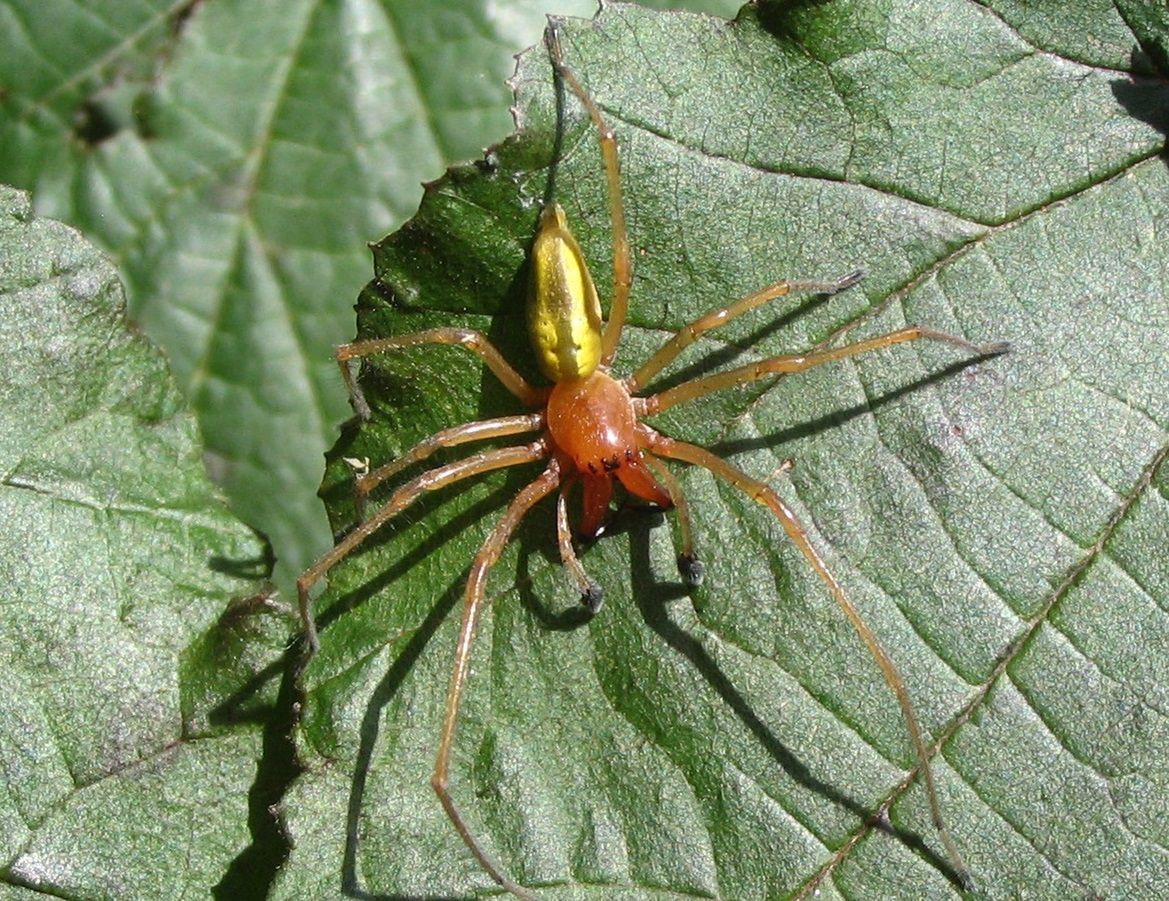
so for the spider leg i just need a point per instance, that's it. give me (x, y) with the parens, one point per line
(474, 341)
(742, 375)
(689, 565)
(798, 533)
(456, 435)
(688, 334)
(474, 596)
(401, 499)
(622, 259)
(591, 595)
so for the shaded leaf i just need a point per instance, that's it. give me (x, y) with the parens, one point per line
(234, 158)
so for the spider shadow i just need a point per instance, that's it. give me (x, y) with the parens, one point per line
(542, 522)
(1144, 94)
(386, 688)
(847, 414)
(253, 870)
(425, 507)
(488, 508)
(653, 600)
(508, 334)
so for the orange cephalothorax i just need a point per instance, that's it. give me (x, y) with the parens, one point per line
(592, 423)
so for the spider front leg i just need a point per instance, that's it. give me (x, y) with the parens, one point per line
(474, 596)
(622, 257)
(689, 566)
(688, 334)
(763, 494)
(743, 375)
(431, 480)
(474, 341)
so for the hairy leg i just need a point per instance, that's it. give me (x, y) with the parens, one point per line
(431, 480)
(715, 318)
(765, 495)
(474, 596)
(622, 259)
(474, 341)
(481, 430)
(743, 375)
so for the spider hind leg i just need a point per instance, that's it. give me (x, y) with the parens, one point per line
(474, 598)
(797, 532)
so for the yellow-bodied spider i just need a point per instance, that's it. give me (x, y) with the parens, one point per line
(590, 429)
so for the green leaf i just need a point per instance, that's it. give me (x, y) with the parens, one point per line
(123, 774)
(1001, 523)
(234, 158)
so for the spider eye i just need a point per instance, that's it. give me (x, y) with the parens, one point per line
(564, 313)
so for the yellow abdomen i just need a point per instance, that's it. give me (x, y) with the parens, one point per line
(564, 313)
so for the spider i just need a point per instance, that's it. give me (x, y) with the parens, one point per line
(590, 431)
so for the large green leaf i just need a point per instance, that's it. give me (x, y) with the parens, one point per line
(234, 158)
(127, 750)
(1001, 523)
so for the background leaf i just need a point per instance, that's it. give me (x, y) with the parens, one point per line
(997, 168)
(125, 747)
(234, 159)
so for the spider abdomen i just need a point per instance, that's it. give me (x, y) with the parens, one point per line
(564, 314)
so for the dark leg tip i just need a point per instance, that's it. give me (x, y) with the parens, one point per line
(692, 569)
(586, 538)
(593, 598)
(552, 41)
(846, 282)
